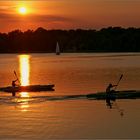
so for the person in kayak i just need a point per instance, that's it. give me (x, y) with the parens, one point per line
(14, 83)
(109, 88)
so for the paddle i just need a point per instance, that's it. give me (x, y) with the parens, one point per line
(17, 76)
(118, 81)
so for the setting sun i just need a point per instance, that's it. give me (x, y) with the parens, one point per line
(23, 10)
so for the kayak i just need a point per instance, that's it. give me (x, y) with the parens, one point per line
(126, 94)
(29, 88)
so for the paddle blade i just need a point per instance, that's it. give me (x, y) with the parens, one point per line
(119, 81)
(15, 74)
(121, 77)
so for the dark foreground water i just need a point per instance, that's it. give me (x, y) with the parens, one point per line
(40, 116)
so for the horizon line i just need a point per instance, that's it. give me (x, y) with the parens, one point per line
(133, 27)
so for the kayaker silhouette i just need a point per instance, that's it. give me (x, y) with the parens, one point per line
(14, 83)
(109, 88)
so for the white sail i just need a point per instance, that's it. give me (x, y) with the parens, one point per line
(57, 49)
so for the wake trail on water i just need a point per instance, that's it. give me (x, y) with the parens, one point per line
(38, 99)
(13, 100)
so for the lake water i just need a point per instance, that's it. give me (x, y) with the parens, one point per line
(39, 115)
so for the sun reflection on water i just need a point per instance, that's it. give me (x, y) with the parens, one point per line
(24, 67)
(24, 107)
(24, 94)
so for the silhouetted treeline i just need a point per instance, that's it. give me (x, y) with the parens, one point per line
(112, 39)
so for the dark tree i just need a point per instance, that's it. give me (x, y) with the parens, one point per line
(111, 39)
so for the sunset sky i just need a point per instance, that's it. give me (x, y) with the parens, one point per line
(68, 14)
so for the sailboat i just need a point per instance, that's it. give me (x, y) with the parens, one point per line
(57, 49)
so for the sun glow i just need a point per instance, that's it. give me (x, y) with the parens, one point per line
(24, 94)
(24, 69)
(22, 10)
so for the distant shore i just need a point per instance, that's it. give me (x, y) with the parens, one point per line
(111, 39)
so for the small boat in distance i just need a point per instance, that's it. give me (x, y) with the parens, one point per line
(57, 49)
